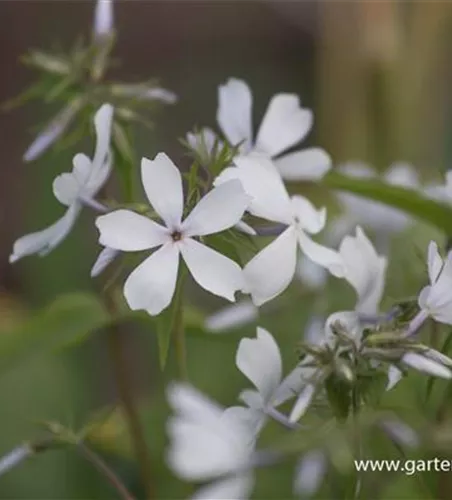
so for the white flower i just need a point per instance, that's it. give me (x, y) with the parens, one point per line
(311, 274)
(260, 361)
(309, 474)
(103, 18)
(377, 216)
(72, 190)
(152, 284)
(364, 269)
(285, 124)
(104, 259)
(423, 364)
(436, 299)
(441, 192)
(232, 316)
(207, 444)
(270, 272)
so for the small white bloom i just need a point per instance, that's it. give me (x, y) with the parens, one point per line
(208, 444)
(377, 216)
(152, 284)
(259, 359)
(285, 123)
(309, 474)
(103, 18)
(364, 269)
(436, 298)
(232, 316)
(83, 183)
(270, 272)
(441, 192)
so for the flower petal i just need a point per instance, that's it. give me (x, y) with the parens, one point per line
(426, 365)
(307, 165)
(310, 472)
(324, 256)
(211, 270)
(263, 183)
(293, 384)
(310, 219)
(163, 185)
(103, 120)
(218, 210)
(235, 102)
(259, 359)
(103, 18)
(434, 262)
(43, 242)
(311, 274)
(238, 487)
(394, 377)
(304, 400)
(127, 231)
(270, 272)
(151, 285)
(104, 259)
(284, 124)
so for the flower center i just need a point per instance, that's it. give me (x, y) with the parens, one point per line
(176, 235)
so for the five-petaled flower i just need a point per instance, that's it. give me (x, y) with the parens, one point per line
(73, 190)
(270, 272)
(152, 284)
(285, 124)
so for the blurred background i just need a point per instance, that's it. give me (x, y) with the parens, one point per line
(378, 77)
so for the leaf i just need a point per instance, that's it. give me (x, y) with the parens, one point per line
(339, 396)
(408, 200)
(67, 320)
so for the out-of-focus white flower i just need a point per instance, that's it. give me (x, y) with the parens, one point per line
(374, 215)
(73, 190)
(400, 432)
(312, 275)
(364, 269)
(285, 123)
(309, 474)
(435, 300)
(152, 284)
(232, 316)
(441, 192)
(208, 444)
(270, 272)
(259, 359)
(103, 18)
(53, 131)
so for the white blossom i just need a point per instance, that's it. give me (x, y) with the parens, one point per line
(208, 444)
(435, 299)
(374, 215)
(310, 472)
(152, 284)
(424, 364)
(103, 18)
(285, 123)
(73, 190)
(259, 359)
(104, 259)
(270, 272)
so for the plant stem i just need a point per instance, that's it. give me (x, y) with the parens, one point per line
(105, 470)
(179, 332)
(125, 394)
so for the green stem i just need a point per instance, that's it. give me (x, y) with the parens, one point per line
(179, 332)
(126, 399)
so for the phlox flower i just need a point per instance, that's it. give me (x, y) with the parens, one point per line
(285, 123)
(270, 272)
(152, 284)
(208, 444)
(73, 190)
(103, 18)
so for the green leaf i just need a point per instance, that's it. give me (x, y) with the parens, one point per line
(67, 320)
(408, 200)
